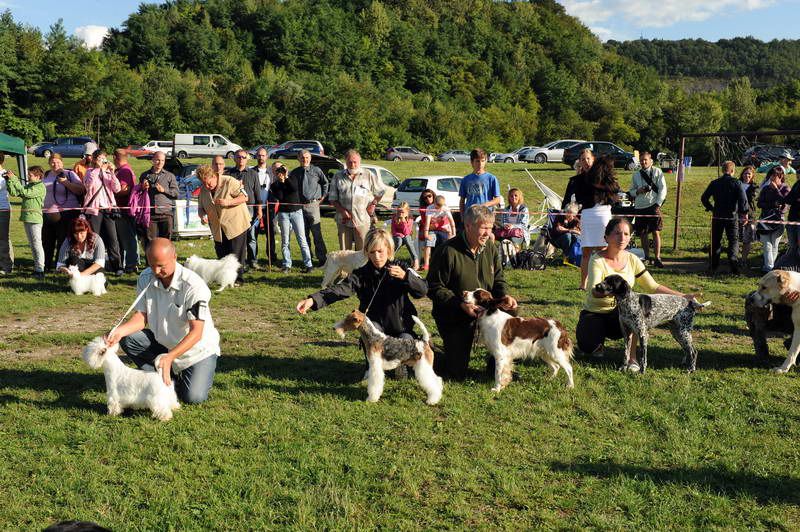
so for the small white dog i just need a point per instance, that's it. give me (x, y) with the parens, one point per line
(341, 264)
(82, 284)
(223, 271)
(127, 387)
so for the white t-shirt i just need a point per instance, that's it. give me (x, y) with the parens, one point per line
(169, 310)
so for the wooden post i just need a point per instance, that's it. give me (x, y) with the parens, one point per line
(681, 173)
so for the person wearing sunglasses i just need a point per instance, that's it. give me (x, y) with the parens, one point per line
(252, 186)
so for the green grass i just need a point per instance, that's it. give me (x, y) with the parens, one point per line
(287, 441)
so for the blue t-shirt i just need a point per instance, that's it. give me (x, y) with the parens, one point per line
(478, 189)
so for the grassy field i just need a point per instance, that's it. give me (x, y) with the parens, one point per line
(287, 441)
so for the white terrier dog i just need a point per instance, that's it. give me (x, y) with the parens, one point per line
(82, 284)
(341, 264)
(128, 387)
(223, 271)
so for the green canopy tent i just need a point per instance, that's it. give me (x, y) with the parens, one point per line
(16, 147)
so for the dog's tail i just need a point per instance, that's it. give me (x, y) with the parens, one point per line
(426, 337)
(697, 306)
(562, 340)
(230, 261)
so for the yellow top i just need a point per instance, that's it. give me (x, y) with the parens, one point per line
(634, 272)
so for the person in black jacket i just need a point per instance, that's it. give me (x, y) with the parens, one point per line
(730, 203)
(252, 186)
(289, 218)
(382, 287)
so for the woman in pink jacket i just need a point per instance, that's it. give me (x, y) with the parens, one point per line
(100, 207)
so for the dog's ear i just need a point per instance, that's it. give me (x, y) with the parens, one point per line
(782, 279)
(646, 302)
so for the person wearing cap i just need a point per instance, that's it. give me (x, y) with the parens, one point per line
(312, 186)
(84, 164)
(785, 159)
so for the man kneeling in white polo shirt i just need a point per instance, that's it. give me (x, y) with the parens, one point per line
(179, 326)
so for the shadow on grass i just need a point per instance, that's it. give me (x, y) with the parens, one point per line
(765, 489)
(672, 358)
(68, 385)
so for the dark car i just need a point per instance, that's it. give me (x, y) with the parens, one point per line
(290, 149)
(64, 146)
(622, 158)
(764, 153)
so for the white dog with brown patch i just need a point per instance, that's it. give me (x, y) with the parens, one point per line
(509, 338)
(782, 287)
(340, 264)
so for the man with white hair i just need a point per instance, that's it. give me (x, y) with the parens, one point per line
(355, 193)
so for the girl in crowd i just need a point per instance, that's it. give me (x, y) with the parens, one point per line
(595, 189)
(425, 245)
(100, 207)
(439, 224)
(382, 287)
(747, 227)
(599, 318)
(402, 227)
(772, 202)
(30, 215)
(6, 264)
(514, 220)
(82, 248)
(290, 216)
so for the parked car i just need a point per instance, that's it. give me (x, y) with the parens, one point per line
(65, 146)
(164, 146)
(764, 153)
(31, 149)
(622, 158)
(330, 166)
(512, 157)
(454, 155)
(290, 149)
(549, 153)
(407, 153)
(136, 151)
(203, 145)
(445, 185)
(253, 151)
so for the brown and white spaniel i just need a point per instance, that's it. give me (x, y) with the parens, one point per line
(509, 338)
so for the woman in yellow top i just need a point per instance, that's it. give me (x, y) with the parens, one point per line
(599, 318)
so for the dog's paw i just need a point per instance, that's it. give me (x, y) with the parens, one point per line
(497, 388)
(780, 369)
(371, 399)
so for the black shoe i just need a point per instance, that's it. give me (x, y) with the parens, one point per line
(39, 276)
(657, 263)
(132, 269)
(305, 269)
(286, 270)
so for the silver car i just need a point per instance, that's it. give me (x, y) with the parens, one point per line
(453, 156)
(552, 152)
(512, 157)
(407, 153)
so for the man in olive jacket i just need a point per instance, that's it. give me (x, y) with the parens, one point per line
(468, 261)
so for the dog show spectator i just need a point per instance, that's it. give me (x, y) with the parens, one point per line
(772, 202)
(784, 160)
(747, 224)
(480, 187)
(312, 186)
(83, 164)
(62, 203)
(565, 229)
(402, 229)
(267, 224)
(514, 220)
(595, 189)
(162, 188)
(249, 179)
(222, 205)
(32, 194)
(466, 262)
(425, 242)
(729, 205)
(100, 207)
(439, 224)
(82, 248)
(649, 191)
(6, 262)
(355, 193)
(126, 225)
(171, 328)
(599, 319)
(290, 218)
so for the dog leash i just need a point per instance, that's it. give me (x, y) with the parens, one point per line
(375, 293)
(135, 301)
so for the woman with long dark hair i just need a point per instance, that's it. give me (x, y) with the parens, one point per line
(82, 248)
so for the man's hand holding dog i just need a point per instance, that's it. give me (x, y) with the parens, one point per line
(508, 303)
(305, 305)
(165, 365)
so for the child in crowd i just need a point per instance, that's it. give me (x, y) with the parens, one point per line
(32, 195)
(402, 225)
(381, 286)
(439, 224)
(514, 220)
(425, 201)
(6, 253)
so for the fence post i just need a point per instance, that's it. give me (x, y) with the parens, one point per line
(681, 173)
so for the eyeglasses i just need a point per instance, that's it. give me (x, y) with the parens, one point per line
(241, 156)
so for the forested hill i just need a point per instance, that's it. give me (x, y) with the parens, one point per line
(765, 63)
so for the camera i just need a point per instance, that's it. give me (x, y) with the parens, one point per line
(647, 188)
(152, 179)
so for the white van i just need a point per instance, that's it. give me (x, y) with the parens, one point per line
(203, 145)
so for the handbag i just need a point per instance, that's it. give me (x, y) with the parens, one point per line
(508, 233)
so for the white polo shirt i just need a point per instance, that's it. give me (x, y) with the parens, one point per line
(169, 310)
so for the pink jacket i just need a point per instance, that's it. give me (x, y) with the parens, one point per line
(96, 198)
(139, 205)
(401, 229)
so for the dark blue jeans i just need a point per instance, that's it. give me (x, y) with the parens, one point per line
(192, 384)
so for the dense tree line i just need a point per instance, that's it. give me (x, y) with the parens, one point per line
(365, 73)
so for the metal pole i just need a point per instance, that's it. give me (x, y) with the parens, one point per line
(681, 173)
